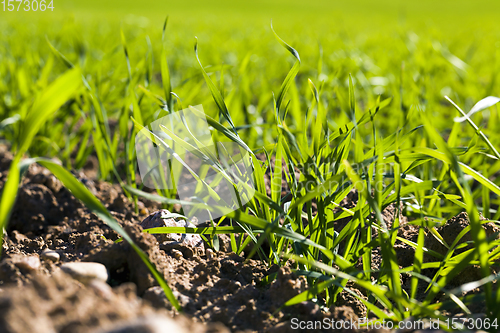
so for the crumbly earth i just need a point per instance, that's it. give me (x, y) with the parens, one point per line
(219, 291)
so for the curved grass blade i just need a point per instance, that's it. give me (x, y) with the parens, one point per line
(239, 216)
(478, 233)
(465, 168)
(288, 79)
(9, 194)
(479, 106)
(49, 102)
(219, 127)
(91, 202)
(481, 134)
(165, 72)
(378, 290)
(217, 96)
(199, 231)
(9, 121)
(53, 97)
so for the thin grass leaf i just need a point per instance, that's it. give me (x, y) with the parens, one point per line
(217, 96)
(483, 136)
(236, 215)
(92, 203)
(165, 72)
(479, 106)
(49, 102)
(288, 79)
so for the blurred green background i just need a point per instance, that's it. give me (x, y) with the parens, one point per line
(365, 14)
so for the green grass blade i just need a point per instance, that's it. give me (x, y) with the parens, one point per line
(216, 94)
(49, 102)
(288, 79)
(92, 203)
(165, 72)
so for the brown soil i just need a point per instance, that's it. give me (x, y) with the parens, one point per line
(219, 292)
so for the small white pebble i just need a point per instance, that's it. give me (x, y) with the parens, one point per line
(210, 254)
(50, 255)
(150, 323)
(85, 272)
(177, 254)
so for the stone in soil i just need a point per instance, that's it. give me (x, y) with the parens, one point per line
(85, 271)
(50, 255)
(161, 219)
(150, 324)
